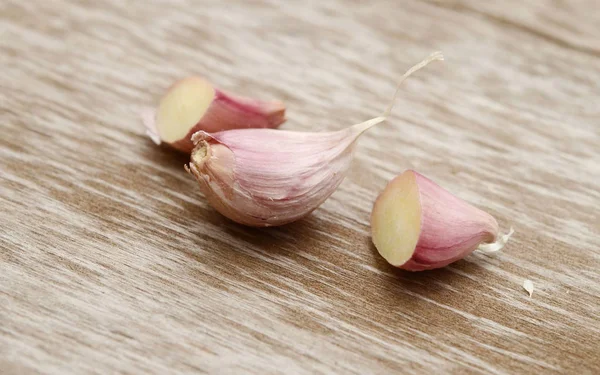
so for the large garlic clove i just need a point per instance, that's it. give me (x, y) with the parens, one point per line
(193, 104)
(417, 225)
(272, 177)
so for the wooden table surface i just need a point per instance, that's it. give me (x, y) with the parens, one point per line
(111, 261)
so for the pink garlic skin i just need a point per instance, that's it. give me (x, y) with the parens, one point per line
(450, 228)
(226, 111)
(265, 177)
(229, 111)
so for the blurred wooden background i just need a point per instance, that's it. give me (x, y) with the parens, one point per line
(112, 262)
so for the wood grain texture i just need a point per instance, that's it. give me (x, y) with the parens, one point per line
(112, 262)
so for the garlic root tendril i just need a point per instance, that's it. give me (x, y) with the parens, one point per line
(494, 247)
(433, 57)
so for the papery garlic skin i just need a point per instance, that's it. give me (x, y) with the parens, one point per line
(417, 225)
(263, 177)
(193, 104)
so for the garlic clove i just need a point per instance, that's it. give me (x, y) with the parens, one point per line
(266, 177)
(193, 104)
(417, 225)
(272, 177)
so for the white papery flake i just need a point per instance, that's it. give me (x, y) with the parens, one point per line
(528, 286)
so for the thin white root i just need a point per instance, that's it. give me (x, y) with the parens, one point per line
(363, 126)
(494, 247)
(433, 57)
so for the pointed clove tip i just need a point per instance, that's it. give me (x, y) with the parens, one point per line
(276, 113)
(276, 106)
(494, 247)
(364, 126)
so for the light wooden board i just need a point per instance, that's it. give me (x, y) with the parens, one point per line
(112, 262)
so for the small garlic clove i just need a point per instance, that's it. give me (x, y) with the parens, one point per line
(417, 225)
(193, 104)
